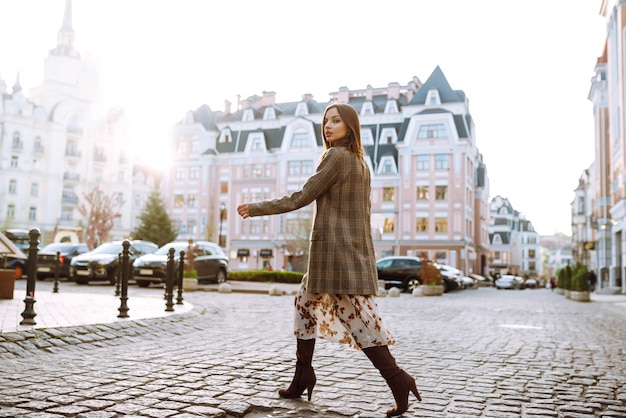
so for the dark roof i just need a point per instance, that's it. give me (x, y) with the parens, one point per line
(438, 81)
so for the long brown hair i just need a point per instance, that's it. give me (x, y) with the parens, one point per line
(351, 118)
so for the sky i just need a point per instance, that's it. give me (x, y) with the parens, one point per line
(525, 67)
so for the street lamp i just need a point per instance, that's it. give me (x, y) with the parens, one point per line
(222, 216)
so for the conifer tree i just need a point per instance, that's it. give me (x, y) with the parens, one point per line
(156, 225)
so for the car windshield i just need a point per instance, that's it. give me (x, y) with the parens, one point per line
(57, 247)
(109, 248)
(177, 246)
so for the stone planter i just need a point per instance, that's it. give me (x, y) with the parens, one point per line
(7, 283)
(560, 291)
(567, 293)
(190, 284)
(579, 296)
(430, 290)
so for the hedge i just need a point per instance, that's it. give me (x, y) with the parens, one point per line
(266, 276)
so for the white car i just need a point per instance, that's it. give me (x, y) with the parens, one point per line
(509, 281)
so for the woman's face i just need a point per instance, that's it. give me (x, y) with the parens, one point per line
(334, 127)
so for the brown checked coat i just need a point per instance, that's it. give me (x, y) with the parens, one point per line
(341, 251)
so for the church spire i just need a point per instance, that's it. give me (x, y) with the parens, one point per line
(17, 87)
(65, 36)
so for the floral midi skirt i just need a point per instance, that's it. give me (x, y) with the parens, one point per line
(347, 319)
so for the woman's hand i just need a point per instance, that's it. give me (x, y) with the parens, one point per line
(242, 210)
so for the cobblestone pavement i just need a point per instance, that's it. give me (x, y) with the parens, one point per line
(474, 353)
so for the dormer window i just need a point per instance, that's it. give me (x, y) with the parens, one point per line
(387, 166)
(269, 113)
(433, 98)
(300, 139)
(388, 136)
(367, 109)
(497, 239)
(248, 115)
(225, 136)
(257, 144)
(391, 106)
(366, 137)
(432, 130)
(302, 109)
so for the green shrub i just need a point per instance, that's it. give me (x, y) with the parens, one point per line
(579, 279)
(565, 282)
(266, 276)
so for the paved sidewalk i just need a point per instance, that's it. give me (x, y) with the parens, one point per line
(76, 305)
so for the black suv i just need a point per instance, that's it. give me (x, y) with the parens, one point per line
(47, 258)
(210, 263)
(403, 272)
(101, 263)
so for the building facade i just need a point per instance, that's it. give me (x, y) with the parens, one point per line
(55, 149)
(429, 183)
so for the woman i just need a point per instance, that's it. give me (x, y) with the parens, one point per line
(337, 298)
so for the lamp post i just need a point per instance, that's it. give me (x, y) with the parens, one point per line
(222, 215)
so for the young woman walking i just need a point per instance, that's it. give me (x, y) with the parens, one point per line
(337, 298)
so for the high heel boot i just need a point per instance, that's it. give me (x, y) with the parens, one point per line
(304, 377)
(399, 381)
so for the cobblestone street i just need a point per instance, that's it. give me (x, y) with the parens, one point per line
(474, 353)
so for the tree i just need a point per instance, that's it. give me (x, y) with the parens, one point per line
(156, 225)
(101, 212)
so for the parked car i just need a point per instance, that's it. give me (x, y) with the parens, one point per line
(531, 283)
(403, 272)
(21, 239)
(101, 263)
(481, 281)
(451, 274)
(210, 263)
(467, 282)
(509, 281)
(47, 258)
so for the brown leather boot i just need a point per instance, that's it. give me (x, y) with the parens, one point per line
(304, 377)
(399, 381)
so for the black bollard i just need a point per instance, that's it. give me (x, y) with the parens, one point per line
(31, 270)
(57, 269)
(118, 275)
(124, 266)
(181, 272)
(169, 281)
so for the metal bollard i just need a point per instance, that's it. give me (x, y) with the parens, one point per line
(118, 275)
(169, 281)
(181, 271)
(31, 270)
(124, 267)
(57, 270)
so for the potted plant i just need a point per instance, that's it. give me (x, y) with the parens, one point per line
(560, 274)
(190, 280)
(430, 276)
(580, 284)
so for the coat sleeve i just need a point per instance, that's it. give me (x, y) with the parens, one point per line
(319, 183)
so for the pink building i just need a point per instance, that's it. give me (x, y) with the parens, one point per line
(430, 186)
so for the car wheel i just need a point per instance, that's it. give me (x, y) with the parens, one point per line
(411, 284)
(142, 283)
(221, 276)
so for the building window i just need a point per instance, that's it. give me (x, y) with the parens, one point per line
(180, 174)
(367, 109)
(192, 201)
(247, 116)
(389, 194)
(194, 173)
(388, 136)
(120, 199)
(32, 213)
(293, 168)
(300, 139)
(191, 226)
(224, 187)
(257, 144)
(422, 192)
(255, 227)
(34, 189)
(10, 211)
(441, 192)
(17, 143)
(67, 214)
(14, 161)
(387, 167)
(181, 148)
(366, 137)
(388, 225)
(302, 109)
(120, 176)
(138, 200)
(434, 130)
(179, 200)
(423, 162)
(195, 147)
(257, 170)
(37, 145)
(307, 167)
(421, 224)
(441, 161)
(13, 187)
(441, 224)
(391, 106)
(269, 113)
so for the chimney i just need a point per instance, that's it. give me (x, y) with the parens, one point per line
(269, 98)
(227, 106)
(368, 93)
(307, 97)
(344, 95)
(393, 91)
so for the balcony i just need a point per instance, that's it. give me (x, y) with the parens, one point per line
(67, 176)
(38, 149)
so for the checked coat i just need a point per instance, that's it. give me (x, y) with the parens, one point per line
(341, 251)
